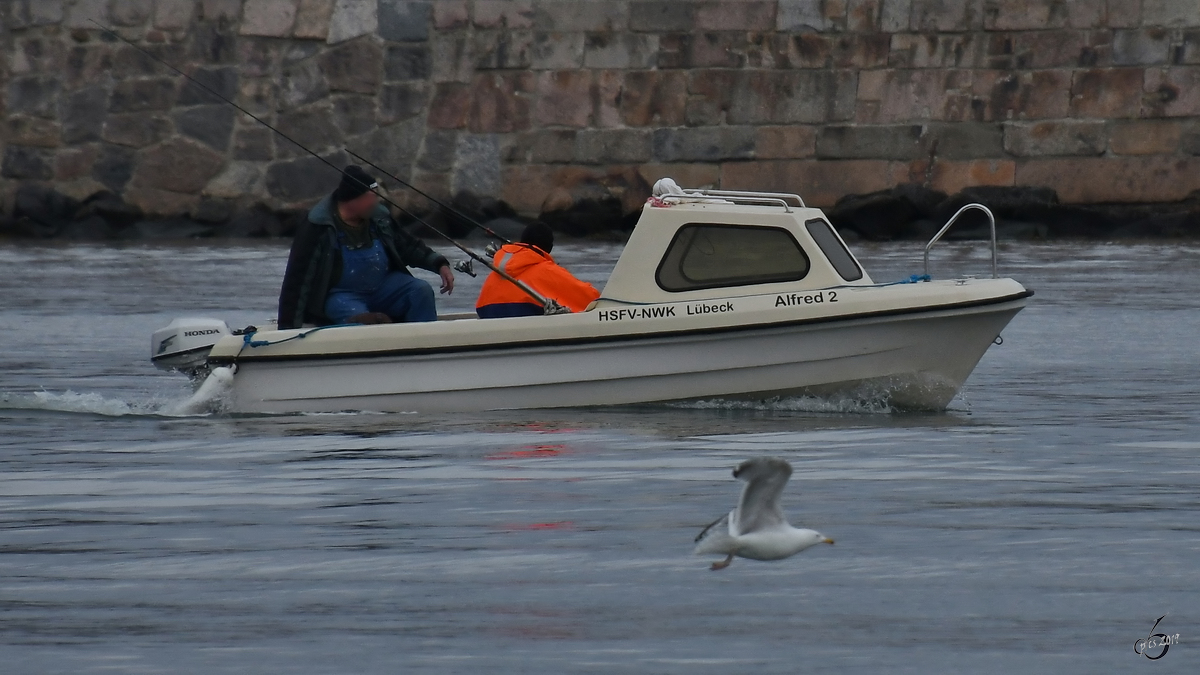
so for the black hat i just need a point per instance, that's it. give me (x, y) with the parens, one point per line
(355, 182)
(539, 235)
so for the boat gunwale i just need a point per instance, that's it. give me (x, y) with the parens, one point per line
(626, 337)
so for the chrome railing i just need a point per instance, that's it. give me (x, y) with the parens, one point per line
(991, 223)
(750, 197)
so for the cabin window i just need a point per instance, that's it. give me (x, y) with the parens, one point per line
(833, 248)
(711, 256)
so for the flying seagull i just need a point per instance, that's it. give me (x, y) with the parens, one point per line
(757, 528)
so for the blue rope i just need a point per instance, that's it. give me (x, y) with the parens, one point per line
(249, 341)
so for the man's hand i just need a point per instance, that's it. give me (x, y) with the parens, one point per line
(447, 279)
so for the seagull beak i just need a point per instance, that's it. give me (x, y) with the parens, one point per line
(826, 540)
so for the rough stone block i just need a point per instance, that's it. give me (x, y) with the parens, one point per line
(75, 163)
(212, 125)
(504, 50)
(1149, 46)
(745, 15)
(83, 116)
(215, 10)
(114, 167)
(257, 95)
(130, 12)
(26, 163)
(212, 43)
(820, 182)
(255, 144)
(222, 80)
(965, 140)
(902, 95)
(1041, 94)
(401, 102)
(954, 176)
(947, 15)
(703, 144)
(238, 179)
(33, 95)
(785, 142)
(312, 19)
(450, 14)
(312, 127)
(406, 62)
(476, 165)
(450, 57)
(1051, 49)
(81, 13)
(557, 51)
(300, 180)
(612, 146)
(500, 103)
(862, 16)
(404, 20)
(810, 50)
(41, 55)
(352, 18)
(711, 92)
(31, 13)
(564, 98)
(661, 16)
(620, 50)
(32, 132)
(1108, 93)
(1092, 180)
(870, 142)
(86, 64)
(1170, 13)
(176, 165)
(127, 62)
(437, 151)
(138, 95)
(450, 106)
(1057, 138)
(553, 146)
(774, 97)
(580, 15)
(1025, 14)
(606, 98)
(935, 51)
(395, 146)
(503, 13)
(355, 114)
(302, 83)
(800, 16)
(268, 18)
(1146, 137)
(1172, 92)
(355, 66)
(895, 16)
(136, 130)
(654, 98)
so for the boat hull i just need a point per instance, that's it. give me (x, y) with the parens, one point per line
(914, 360)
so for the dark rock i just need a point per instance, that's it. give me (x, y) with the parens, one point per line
(136, 130)
(878, 216)
(115, 211)
(404, 20)
(402, 101)
(213, 210)
(306, 178)
(583, 209)
(209, 124)
(223, 81)
(1165, 225)
(32, 131)
(257, 221)
(138, 95)
(353, 114)
(41, 212)
(84, 114)
(114, 167)
(470, 209)
(256, 144)
(406, 62)
(355, 66)
(177, 165)
(302, 83)
(33, 95)
(91, 228)
(437, 150)
(171, 228)
(212, 43)
(311, 127)
(27, 163)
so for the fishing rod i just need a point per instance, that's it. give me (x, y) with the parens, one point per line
(444, 205)
(549, 305)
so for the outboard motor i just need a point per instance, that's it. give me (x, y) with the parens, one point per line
(184, 344)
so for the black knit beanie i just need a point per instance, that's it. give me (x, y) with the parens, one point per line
(355, 182)
(539, 235)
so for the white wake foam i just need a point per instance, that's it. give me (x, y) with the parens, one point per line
(811, 404)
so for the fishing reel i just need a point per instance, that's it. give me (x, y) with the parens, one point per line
(466, 267)
(492, 249)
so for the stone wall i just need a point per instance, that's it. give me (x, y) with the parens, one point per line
(533, 101)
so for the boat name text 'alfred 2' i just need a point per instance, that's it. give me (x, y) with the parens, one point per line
(659, 311)
(793, 299)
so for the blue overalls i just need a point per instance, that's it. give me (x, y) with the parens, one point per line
(367, 285)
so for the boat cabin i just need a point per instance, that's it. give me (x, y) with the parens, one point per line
(706, 244)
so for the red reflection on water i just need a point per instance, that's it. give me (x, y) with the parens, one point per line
(530, 452)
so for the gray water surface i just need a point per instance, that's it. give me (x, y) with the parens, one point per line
(1042, 524)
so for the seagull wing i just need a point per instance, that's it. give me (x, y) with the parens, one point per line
(759, 508)
(716, 538)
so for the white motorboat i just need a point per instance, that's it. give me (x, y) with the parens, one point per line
(717, 295)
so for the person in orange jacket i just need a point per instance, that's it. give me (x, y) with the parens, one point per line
(529, 261)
